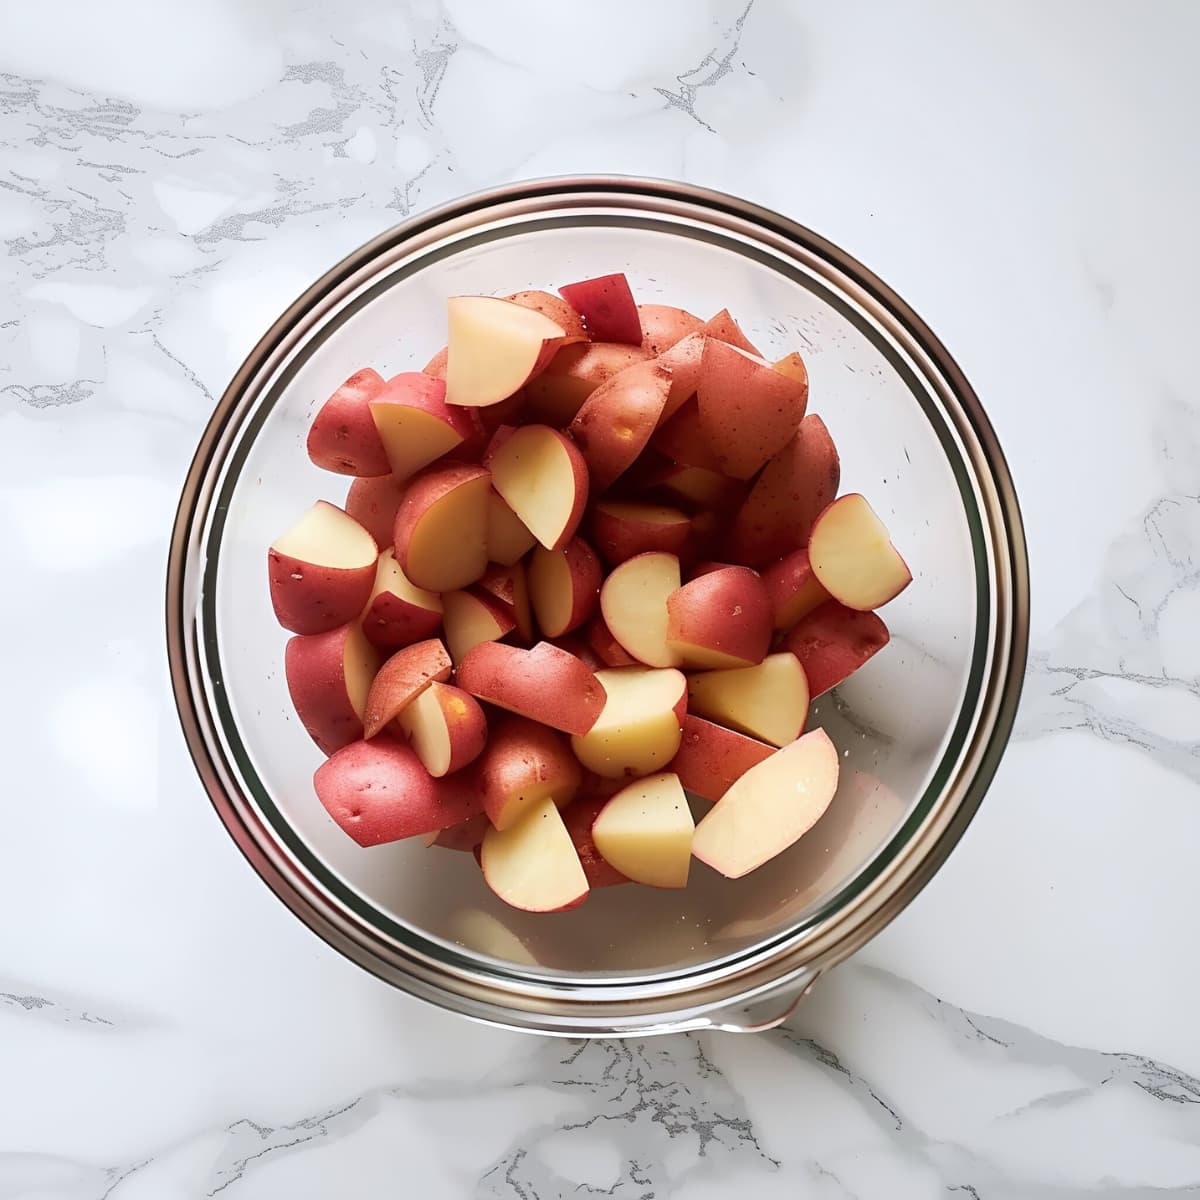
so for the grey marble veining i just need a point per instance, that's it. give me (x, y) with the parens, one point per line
(171, 178)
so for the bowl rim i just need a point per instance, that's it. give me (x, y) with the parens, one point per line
(786, 967)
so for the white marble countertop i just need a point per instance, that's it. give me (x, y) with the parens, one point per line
(1025, 175)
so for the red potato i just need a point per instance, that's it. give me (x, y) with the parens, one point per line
(794, 488)
(638, 731)
(495, 347)
(725, 329)
(708, 535)
(683, 362)
(445, 726)
(472, 617)
(605, 647)
(574, 373)
(401, 679)
(748, 410)
(722, 618)
(416, 425)
(617, 419)
(572, 643)
(510, 411)
(645, 831)
(373, 503)
(621, 530)
(793, 589)
(770, 807)
(700, 488)
(564, 586)
(833, 641)
(711, 758)
(683, 440)
(607, 308)
(465, 836)
(510, 586)
(343, 437)
(532, 864)
(768, 701)
(633, 601)
(398, 612)
(436, 366)
(508, 539)
(441, 527)
(558, 310)
(853, 557)
(378, 791)
(523, 764)
(544, 684)
(543, 478)
(793, 366)
(663, 326)
(328, 677)
(321, 571)
(578, 819)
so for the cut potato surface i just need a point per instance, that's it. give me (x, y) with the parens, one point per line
(637, 732)
(533, 864)
(770, 807)
(645, 832)
(768, 701)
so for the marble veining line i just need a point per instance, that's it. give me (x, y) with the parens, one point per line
(1003, 1042)
(1112, 667)
(709, 71)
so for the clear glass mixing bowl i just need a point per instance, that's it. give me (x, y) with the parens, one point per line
(921, 727)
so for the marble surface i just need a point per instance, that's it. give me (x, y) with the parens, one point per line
(1026, 175)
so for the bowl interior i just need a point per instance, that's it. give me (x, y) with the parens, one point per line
(899, 722)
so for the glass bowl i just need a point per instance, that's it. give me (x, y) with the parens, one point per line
(921, 727)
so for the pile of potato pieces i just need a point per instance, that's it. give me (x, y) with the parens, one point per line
(593, 559)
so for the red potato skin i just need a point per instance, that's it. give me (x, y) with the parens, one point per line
(579, 819)
(607, 308)
(544, 684)
(606, 648)
(579, 470)
(558, 310)
(423, 491)
(795, 487)
(391, 622)
(343, 437)
(617, 537)
(313, 666)
(833, 641)
(682, 439)
(466, 724)
(379, 792)
(573, 644)
(436, 366)
(663, 326)
(724, 609)
(616, 421)
(373, 503)
(711, 758)
(574, 373)
(683, 362)
(403, 676)
(748, 410)
(466, 836)
(522, 752)
(725, 329)
(586, 576)
(793, 588)
(510, 586)
(494, 416)
(313, 599)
